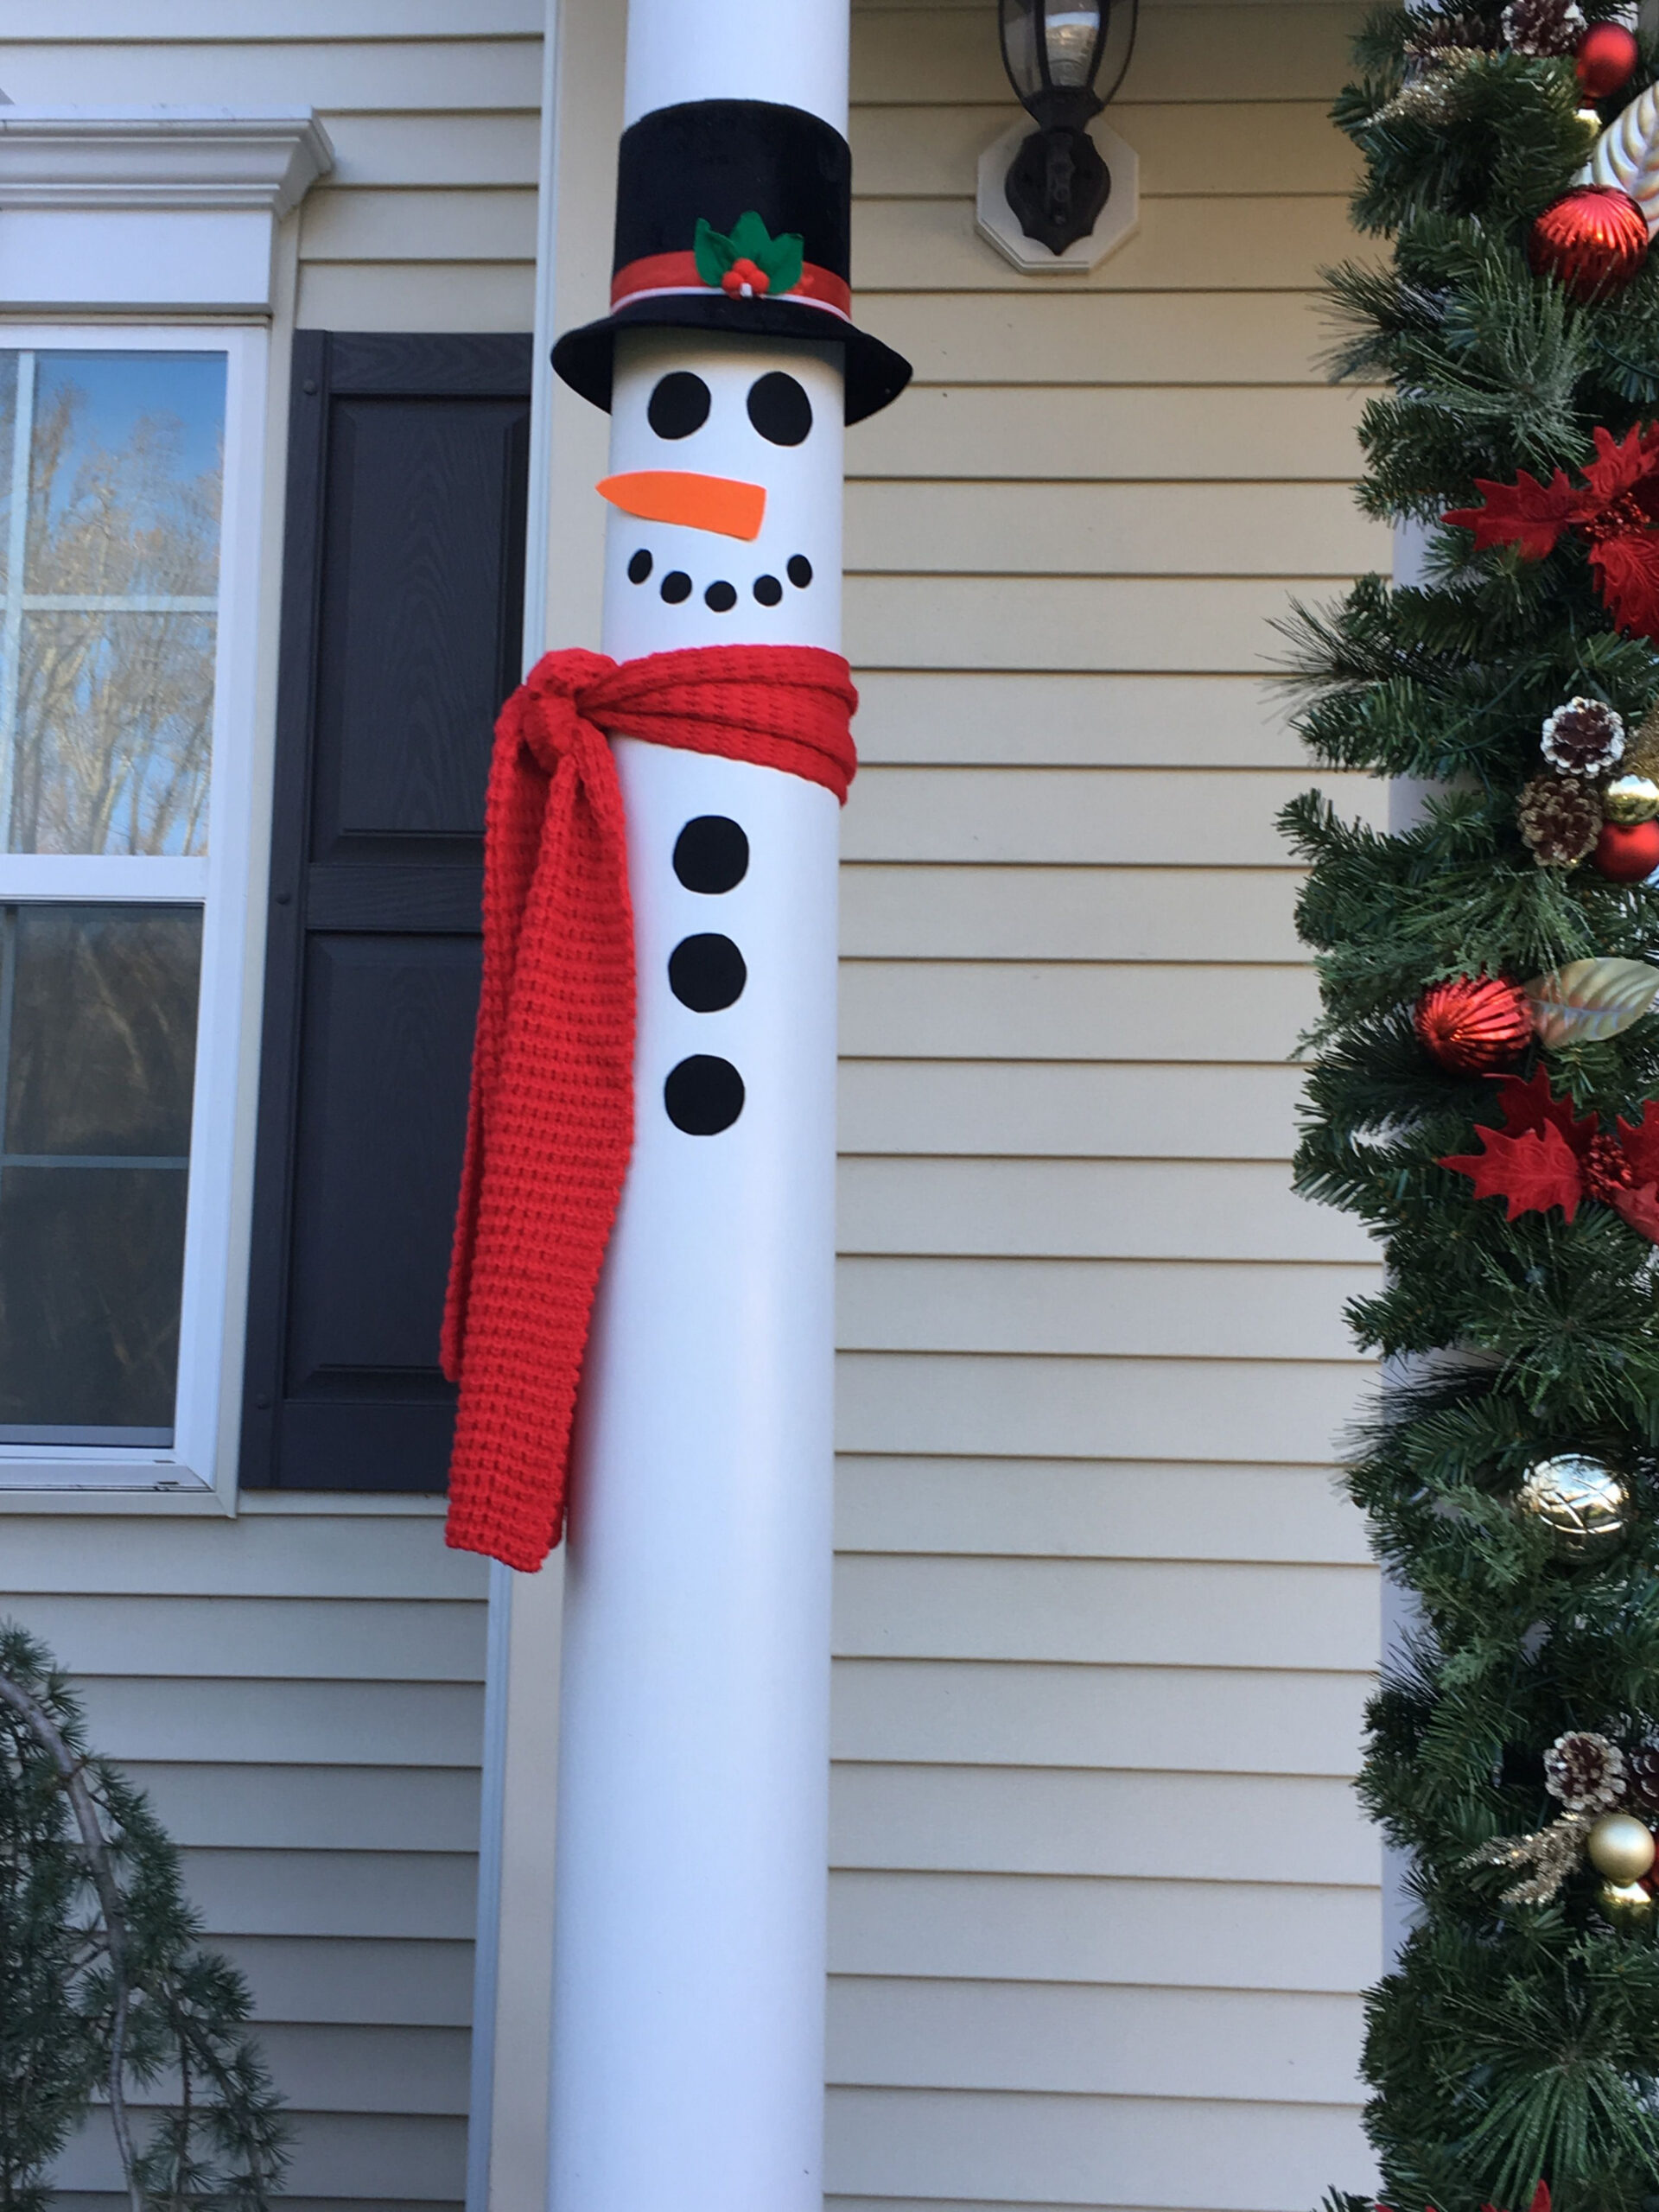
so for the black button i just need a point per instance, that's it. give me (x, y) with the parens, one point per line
(711, 854)
(768, 590)
(703, 1095)
(706, 973)
(676, 586)
(720, 598)
(639, 567)
(799, 572)
(679, 406)
(779, 408)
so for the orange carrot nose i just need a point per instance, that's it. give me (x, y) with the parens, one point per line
(719, 503)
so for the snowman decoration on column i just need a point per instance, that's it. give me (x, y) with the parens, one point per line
(690, 1862)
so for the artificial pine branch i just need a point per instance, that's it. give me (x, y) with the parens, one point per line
(1511, 2045)
(102, 1979)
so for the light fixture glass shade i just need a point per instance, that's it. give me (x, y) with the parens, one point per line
(1051, 50)
(1072, 36)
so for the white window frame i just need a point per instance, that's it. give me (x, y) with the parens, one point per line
(218, 883)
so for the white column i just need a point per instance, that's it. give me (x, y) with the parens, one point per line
(688, 2041)
(791, 52)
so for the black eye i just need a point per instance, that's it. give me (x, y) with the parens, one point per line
(680, 404)
(779, 408)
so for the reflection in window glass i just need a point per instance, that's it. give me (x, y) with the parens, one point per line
(112, 466)
(114, 732)
(98, 1019)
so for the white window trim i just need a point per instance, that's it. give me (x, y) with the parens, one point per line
(220, 883)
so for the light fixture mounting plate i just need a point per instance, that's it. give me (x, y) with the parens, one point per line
(999, 226)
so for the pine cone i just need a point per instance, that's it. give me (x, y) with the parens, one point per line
(1434, 29)
(1642, 1777)
(1542, 26)
(1583, 738)
(1606, 1169)
(1585, 1772)
(1560, 820)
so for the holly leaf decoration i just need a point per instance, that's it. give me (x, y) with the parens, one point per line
(712, 251)
(1526, 513)
(781, 260)
(1533, 1172)
(1589, 999)
(1533, 1105)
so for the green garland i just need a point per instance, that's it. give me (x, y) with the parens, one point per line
(1513, 2043)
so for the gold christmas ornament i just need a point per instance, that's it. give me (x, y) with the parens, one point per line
(1630, 798)
(1620, 1847)
(1581, 1502)
(1628, 1906)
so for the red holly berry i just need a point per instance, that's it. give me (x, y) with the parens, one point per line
(746, 279)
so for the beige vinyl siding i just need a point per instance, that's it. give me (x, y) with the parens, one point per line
(1102, 1903)
(427, 221)
(302, 1689)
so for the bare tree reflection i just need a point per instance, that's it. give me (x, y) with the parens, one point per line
(115, 709)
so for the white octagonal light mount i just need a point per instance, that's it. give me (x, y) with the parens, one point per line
(997, 223)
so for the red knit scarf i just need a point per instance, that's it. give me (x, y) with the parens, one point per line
(551, 1123)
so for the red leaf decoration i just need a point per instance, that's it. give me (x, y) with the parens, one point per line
(1534, 1172)
(1627, 576)
(1533, 1105)
(1640, 1145)
(1525, 513)
(1620, 465)
(1640, 1208)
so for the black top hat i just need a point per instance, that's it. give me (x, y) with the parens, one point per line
(734, 215)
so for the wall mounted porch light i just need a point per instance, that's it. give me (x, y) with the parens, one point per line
(1059, 198)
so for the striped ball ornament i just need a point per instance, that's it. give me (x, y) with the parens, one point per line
(1474, 1025)
(1592, 240)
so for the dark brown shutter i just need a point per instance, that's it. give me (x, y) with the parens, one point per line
(402, 608)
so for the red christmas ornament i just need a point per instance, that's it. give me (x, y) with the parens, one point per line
(1593, 240)
(1474, 1024)
(1606, 57)
(1627, 851)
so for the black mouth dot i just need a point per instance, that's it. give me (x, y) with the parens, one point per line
(799, 571)
(720, 598)
(676, 586)
(768, 590)
(639, 567)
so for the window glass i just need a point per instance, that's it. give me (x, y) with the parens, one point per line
(112, 466)
(97, 1023)
(111, 471)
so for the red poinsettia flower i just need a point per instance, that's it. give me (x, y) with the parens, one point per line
(1616, 508)
(1546, 1155)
